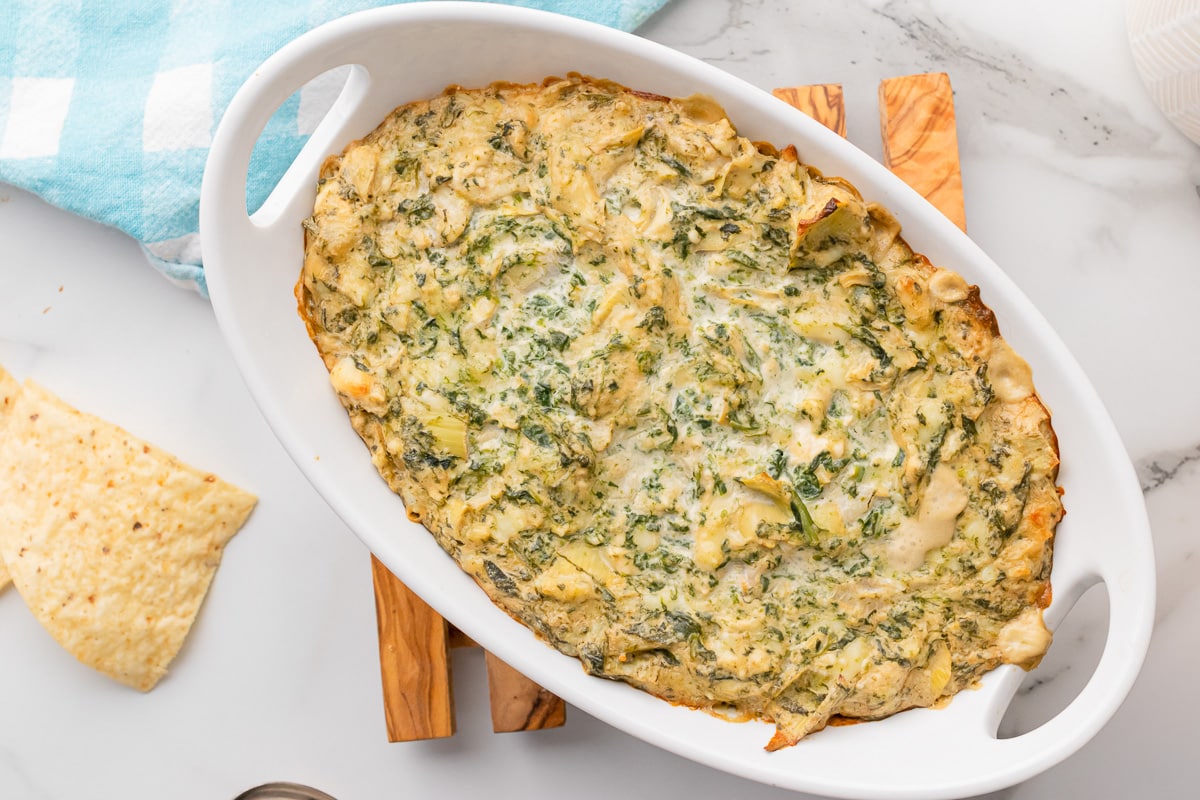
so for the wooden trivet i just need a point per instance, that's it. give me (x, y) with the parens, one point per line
(916, 114)
(414, 663)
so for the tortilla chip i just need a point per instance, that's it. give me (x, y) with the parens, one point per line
(9, 388)
(111, 542)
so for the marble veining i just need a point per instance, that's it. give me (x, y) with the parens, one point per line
(1075, 185)
(1157, 470)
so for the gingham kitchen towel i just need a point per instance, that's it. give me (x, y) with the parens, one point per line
(107, 107)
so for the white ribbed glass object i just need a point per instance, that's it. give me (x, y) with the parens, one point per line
(1165, 38)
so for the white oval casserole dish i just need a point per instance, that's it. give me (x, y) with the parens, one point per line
(403, 53)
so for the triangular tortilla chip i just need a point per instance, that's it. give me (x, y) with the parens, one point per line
(111, 542)
(9, 388)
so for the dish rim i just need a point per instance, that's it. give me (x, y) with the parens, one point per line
(228, 236)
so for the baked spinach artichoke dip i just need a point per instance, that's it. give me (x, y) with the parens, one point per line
(691, 411)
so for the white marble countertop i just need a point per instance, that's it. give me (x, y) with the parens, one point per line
(1074, 184)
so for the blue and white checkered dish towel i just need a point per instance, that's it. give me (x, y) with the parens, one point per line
(107, 107)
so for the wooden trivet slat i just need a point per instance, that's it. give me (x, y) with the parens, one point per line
(414, 662)
(414, 665)
(519, 704)
(920, 140)
(921, 147)
(823, 102)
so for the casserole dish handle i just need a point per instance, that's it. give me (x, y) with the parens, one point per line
(1127, 572)
(223, 193)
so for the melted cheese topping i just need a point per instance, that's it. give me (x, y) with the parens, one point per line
(1011, 377)
(691, 411)
(933, 526)
(1025, 639)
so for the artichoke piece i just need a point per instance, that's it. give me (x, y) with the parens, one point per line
(787, 497)
(450, 433)
(762, 482)
(840, 227)
(939, 669)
